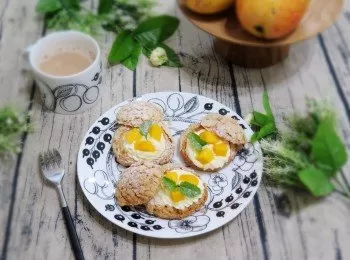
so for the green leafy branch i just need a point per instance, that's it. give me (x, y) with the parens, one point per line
(148, 35)
(69, 14)
(185, 188)
(308, 155)
(137, 33)
(12, 126)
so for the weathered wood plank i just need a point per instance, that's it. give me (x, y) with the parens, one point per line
(16, 87)
(335, 45)
(38, 229)
(269, 228)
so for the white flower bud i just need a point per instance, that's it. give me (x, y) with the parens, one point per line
(249, 118)
(158, 57)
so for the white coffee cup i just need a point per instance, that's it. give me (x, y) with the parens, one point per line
(69, 94)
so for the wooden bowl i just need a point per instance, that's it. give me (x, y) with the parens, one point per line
(248, 51)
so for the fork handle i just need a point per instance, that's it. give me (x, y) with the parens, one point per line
(72, 234)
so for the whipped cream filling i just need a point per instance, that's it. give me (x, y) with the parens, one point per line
(217, 162)
(137, 154)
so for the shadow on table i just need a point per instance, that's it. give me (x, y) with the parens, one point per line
(206, 67)
(292, 202)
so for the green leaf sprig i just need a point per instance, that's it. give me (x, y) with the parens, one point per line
(309, 155)
(12, 126)
(144, 128)
(263, 123)
(185, 188)
(196, 142)
(147, 36)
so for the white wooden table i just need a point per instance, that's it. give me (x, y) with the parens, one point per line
(273, 226)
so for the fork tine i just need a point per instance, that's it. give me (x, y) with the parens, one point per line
(41, 161)
(58, 157)
(47, 159)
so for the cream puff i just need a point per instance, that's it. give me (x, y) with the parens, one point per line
(142, 135)
(180, 194)
(138, 184)
(212, 143)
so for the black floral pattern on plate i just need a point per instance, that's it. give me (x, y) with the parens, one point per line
(190, 224)
(246, 158)
(218, 182)
(137, 218)
(95, 143)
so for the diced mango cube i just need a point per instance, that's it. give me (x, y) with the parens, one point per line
(172, 176)
(205, 156)
(145, 146)
(155, 132)
(209, 137)
(221, 149)
(176, 196)
(189, 178)
(133, 135)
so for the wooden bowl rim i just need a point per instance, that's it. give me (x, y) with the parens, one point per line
(198, 19)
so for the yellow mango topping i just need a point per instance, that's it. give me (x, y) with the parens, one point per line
(176, 196)
(221, 149)
(155, 132)
(172, 176)
(205, 156)
(145, 146)
(189, 178)
(133, 135)
(209, 137)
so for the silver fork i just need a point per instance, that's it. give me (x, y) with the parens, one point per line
(50, 164)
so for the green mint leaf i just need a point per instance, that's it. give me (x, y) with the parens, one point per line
(133, 59)
(265, 131)
(169, 184)
(327, 148)
(189, 190)
(195, 141)
(105, 6)
(147, 50)
(259, 119)
(47, 6)
(122, 48)
(267, 106)
(316, 181)
(156, 30)
(144, 128)
(149, 38)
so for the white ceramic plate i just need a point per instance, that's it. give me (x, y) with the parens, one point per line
(230, 189)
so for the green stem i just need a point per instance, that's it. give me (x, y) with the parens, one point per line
(346, 195)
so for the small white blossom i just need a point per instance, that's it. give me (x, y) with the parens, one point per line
(9, 121)
(158, 57)
(249, 118)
